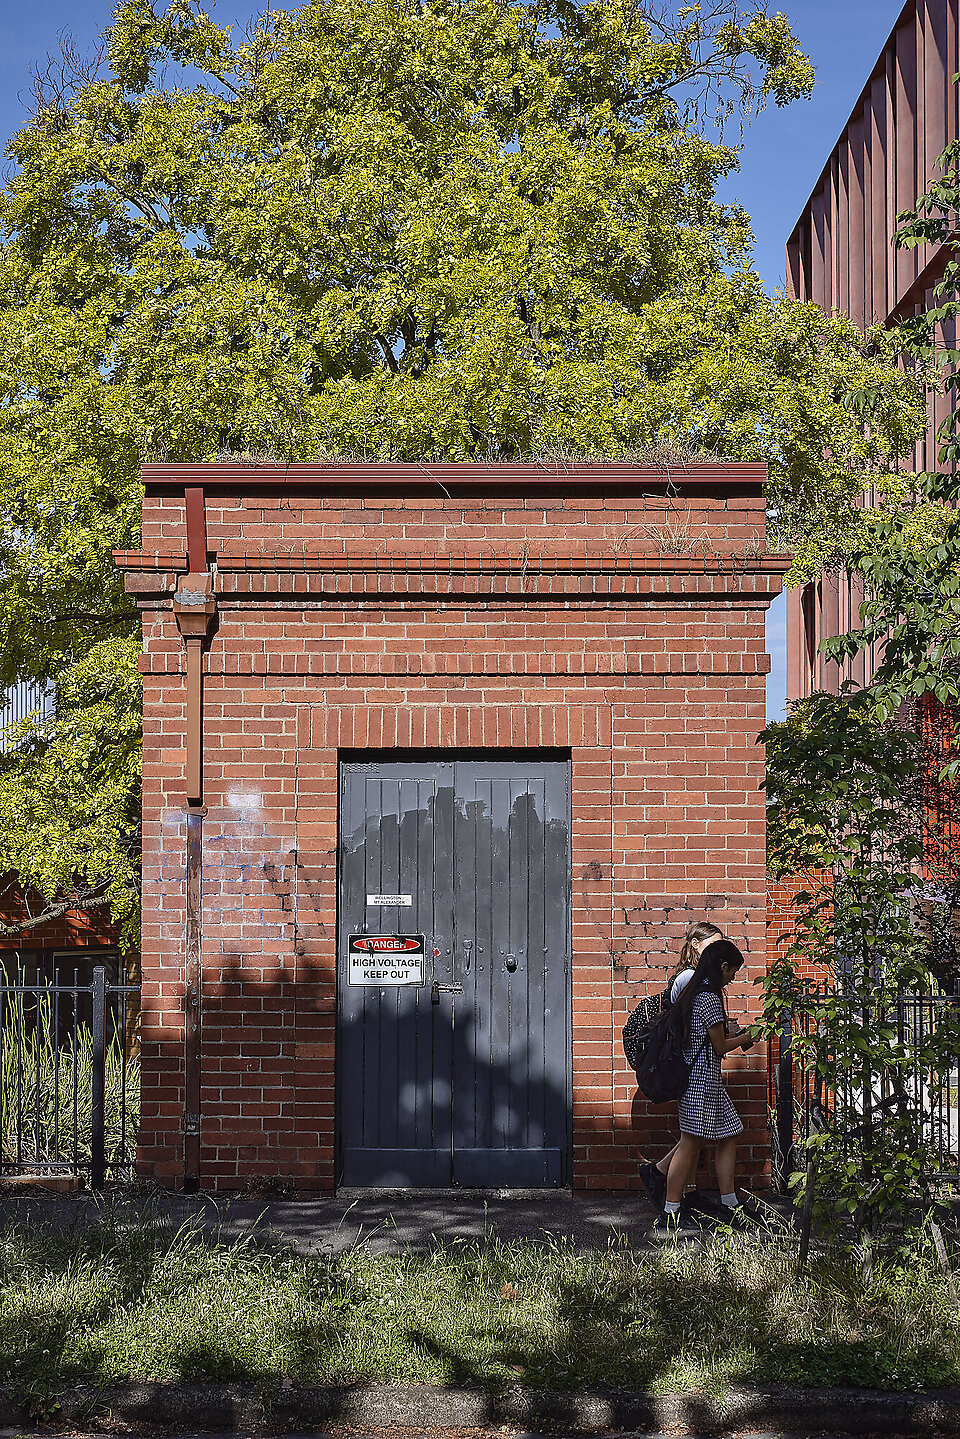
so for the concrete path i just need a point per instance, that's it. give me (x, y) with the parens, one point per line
(437, 1433)
(385, 1222)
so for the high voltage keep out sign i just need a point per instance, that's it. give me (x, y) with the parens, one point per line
(386, 959)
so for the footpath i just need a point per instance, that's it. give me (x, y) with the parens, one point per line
(390, 1223)
(385, 1222)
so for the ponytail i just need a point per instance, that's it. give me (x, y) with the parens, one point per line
(690, 953)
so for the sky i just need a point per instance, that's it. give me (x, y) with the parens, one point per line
(783, 151)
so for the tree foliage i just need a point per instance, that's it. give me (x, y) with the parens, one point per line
(846, 817)
(395, 229)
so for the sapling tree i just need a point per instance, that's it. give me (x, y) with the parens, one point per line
(845, 789)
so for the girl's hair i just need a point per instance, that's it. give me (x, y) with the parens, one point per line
(706, 976)
(690, 953)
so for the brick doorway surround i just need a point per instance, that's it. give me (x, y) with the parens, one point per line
(294, 613)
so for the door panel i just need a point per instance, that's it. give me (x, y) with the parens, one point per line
(468, 1087)
(511, 1047)
(394, 1059)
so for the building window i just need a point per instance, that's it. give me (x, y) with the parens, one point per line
(29, 697)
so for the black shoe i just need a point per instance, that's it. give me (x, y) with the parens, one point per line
(744, 1216)
(672, 1228)
(654, 1183)
(701, 1206)
(754, 1211)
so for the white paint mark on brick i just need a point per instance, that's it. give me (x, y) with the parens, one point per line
(245, 799)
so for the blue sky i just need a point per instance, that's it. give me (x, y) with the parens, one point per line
(783, 153)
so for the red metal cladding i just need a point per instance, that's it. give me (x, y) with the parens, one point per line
(841, 256)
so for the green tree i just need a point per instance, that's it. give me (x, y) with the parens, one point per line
(847, 815)
(402, 229)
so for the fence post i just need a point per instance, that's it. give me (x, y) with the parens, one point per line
(785, 1148)
(98, 1082)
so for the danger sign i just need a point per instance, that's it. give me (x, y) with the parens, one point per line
(386, 959)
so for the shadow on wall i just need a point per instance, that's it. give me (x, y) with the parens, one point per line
(435, 1087)
(463, 1079)
(425, 1099)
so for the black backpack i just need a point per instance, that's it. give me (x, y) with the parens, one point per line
(662, 1071)
(636, 1031)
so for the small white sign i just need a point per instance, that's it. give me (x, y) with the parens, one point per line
(384, 899)
(394, 959)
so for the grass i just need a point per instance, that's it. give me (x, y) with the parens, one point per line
(119, 1299)
(659, 454)
(40, 1126)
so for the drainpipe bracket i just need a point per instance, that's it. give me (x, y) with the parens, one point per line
(195, 605)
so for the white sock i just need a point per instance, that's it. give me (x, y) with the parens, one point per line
(730, 1200)
(671, 1206)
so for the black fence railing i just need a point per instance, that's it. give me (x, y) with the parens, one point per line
(69, 1077)
(802, 1101)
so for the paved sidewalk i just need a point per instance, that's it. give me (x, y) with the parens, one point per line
(332, 1432)
(385, 1222)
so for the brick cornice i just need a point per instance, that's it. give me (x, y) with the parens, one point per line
(151, 562)
(541, 562)
(506, 587)
(556, 477)
(511, 579)
(555, 560)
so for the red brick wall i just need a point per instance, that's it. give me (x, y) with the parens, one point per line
(72, 930)
(782, 920)
(781, 916)
(629, 631)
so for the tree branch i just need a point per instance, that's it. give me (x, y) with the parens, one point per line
(138, 203)
(54, 911)
(388, 354)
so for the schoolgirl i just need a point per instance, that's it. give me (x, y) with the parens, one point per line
(706, 1112)
(653, 1177)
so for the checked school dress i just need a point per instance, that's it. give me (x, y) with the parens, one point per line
(706, 1111)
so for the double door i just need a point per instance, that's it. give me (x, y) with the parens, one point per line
(454, 974)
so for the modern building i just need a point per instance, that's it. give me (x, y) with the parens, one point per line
(841, 255)
(19, 703)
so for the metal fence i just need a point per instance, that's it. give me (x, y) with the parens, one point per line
(801, 1102)
(69, 1076)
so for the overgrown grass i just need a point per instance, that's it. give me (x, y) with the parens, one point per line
(46, 1092)
(120, 1299)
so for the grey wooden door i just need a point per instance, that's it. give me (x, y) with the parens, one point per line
(463, 1079)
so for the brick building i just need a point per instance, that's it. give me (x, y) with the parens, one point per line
(439, 762)
(74, 940)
